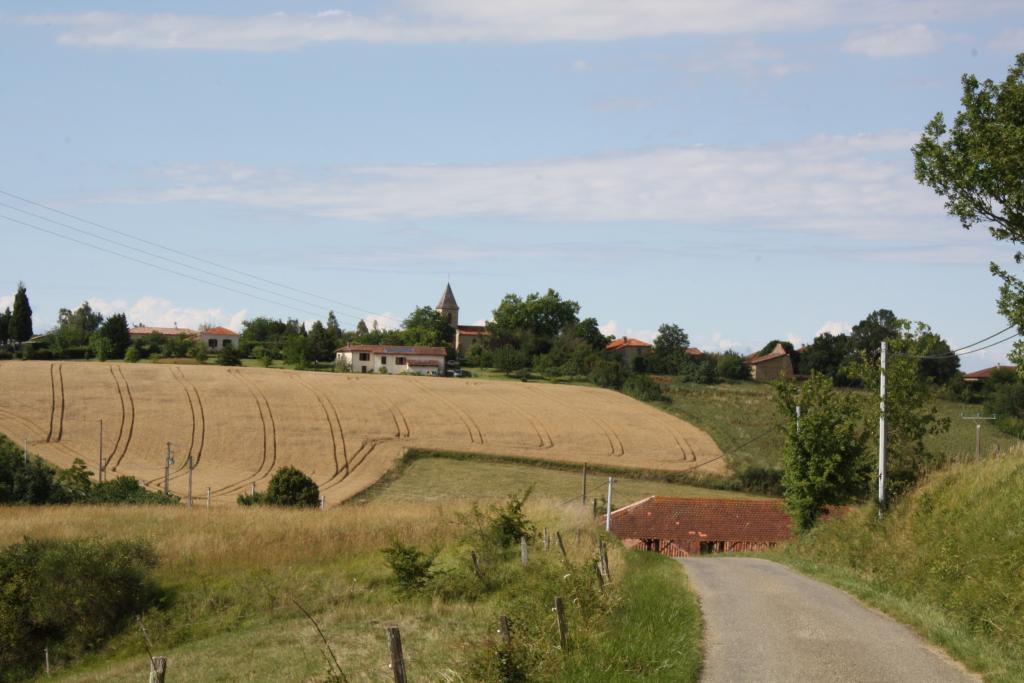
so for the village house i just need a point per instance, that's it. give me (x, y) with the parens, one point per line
(628, 350)
(415, 360)
(680, 527)
(770, 366)
(981, 375)
(213, 338)
(466, 336)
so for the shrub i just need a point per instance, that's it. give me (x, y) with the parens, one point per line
(292, 488)
(730, 366)
(132, 355)
(229, 356)
(608, 374)
(70, 596)
(410, 565)
(24, 482)
(698, 371)
(642, 388)
(127, 490)
(255, 498)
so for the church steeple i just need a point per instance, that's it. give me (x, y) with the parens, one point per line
(448, 307)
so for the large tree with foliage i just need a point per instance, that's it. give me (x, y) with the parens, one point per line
(534, 322)
(20, 326)
(977, 165)
(115, 330)
(669, 349)
(5, 325)
(881, 325)
(826, 355)
(426, 327)
(824, 454)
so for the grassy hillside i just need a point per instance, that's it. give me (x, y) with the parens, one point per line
(948, 560)
(735, 413)
(233, 574)
(442, 479)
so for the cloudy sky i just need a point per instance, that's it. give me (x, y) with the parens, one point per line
(741, 167)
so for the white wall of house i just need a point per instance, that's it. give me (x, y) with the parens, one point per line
(370, 362)
(216, 342)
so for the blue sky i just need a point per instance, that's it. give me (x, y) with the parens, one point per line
(740, 168)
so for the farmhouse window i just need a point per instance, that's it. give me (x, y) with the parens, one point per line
(364, 356)
(400, 360)
(226, 343)
(213, 343)
(383, 360)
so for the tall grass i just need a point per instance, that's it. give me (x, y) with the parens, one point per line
(948, 559)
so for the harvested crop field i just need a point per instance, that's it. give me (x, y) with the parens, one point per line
(344, 430)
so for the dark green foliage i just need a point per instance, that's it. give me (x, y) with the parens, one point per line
(824, 455)
(5, 326)
(426, 327)
(255, 498)
(763, 480)
(115, 330)
(608, 374)
(826, 355)
(698, 369)
(21, 482)
(68, 596)
(19, 328)
(100, 347)
(291, 487)
(509, 359)
(410, 566)
(125, 490)
(669, 351)
(229, 356)
(879, 326)
(132, 355)
(508, 523)
(297, 351)
(642, 388)
(730, 365)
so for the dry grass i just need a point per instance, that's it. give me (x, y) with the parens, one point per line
(344, 430)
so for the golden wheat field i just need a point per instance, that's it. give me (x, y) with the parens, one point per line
(344, 430)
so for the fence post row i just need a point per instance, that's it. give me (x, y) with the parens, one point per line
(397, 659)
(561, 545)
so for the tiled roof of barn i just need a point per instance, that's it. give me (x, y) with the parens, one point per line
(712, 519)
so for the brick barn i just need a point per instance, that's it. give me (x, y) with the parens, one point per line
(680, 527)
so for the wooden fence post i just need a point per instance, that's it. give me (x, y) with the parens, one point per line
(561, 545)
(547, 539)
(524, 552)
(209, 496)
(158, 669)
(505, 629)
(476, 565)
(604, 561)
(594, 513)
(563, 628)
(46, 655)
(397, 659)
(600, 574)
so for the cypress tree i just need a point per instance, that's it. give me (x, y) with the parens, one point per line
(20, 327)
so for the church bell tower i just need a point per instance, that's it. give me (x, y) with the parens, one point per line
(448, 308)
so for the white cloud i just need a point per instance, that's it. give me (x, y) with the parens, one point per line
(795, 340)
(609, 329)
(718, 343)
(385, 321)
(157, 312)
(894, 41)
(5, 301)
(460, 21)
(834, 327)
(856, 186)
(745, 57)
(580, 65)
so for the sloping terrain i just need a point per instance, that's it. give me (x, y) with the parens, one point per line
(344, 430)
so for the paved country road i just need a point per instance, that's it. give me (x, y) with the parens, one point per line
(765, 622)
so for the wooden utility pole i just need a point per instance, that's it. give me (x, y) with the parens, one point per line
(167, 470)
(583, 500)
(524, 552)
(101, 474)
(397, 658)
(881, 436)
(190, 480)
(977, 430)
(563, 627)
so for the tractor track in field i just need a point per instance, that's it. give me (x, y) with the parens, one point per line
(464, 416)
(610, 434)
(323, 401)
(56, 407)
(269, 436)
(35, 427)
(692, 455)
(392, 409)
(543, 435)
(197, 422)
(120, 426)
(130, 405)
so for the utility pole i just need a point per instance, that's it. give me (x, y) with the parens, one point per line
(100, 474)
(608, 514)
(977, 430)
(881, 436)
(167, 470)
(190, 480)
(584, 498)
(798, 420)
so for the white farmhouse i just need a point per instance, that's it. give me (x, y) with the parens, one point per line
(417, 360)
(217, 338)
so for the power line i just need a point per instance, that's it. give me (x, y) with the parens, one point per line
(956, 352)
(190, 256)
(153, 265)
(733, 450)
(169, 260)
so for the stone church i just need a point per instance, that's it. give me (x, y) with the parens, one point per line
(466, 336)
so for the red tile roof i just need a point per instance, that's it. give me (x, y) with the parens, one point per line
(987, 372)
(688, 519)
(473, 330)
(223, 331)
(627, 342)
(395, 350)
(166, 331)
(694, 351)
(778, 352)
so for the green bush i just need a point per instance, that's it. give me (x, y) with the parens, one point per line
(132, 355)
(291, 487)
(642, 388)
(730, 365)
(21, 481)
(127, 490)
(608, 374)
(69, 596)
(410, 565)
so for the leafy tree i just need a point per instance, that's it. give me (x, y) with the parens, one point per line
(910, 411)
(881, 325)
(826, 355)
(5, 326)
(229, 356)
(426, 327)
(590, 332)
(100, 346)
(132, 355)
(20, 326)
(509, 359)
(669, 349)
(699, 369)
(824, 456)
(200, 353)
(320, 347)
(533, 323)
(297, 351)
(730, 365)
(115, 330)
(938, 363)
(609, 374)
(361, 329)
(642, 388)
(290, 487)
(410, 565)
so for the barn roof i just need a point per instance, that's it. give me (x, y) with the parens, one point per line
(625, 342)
(713, 519)
(221, 331)
(778, 352)
(166, 331)
(987, 372)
